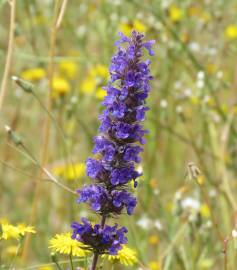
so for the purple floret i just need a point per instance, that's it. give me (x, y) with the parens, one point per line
(99, 239)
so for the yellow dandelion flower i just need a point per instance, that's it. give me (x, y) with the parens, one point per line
(201, 179)
(64, 244)
(33, 74)
(231, 31)
(139, 26)
(88, 85)
(23, 229)
(153, 240)
(69, 69)
(175, 14)
(101, 71)
(60, 86)
(205, 210)
(10, 231)
(46, 267)
(126, 256)
(126, 28)
(153, 265)
(70, 172)
(100, 93)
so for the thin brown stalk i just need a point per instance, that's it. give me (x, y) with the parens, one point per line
(61, 14)
(46, 131)
(12, 4)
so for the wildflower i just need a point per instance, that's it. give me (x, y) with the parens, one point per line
(100, 93)
(175, 14)
(33, 74)
(68, 68)
(153, 265)
(64, 244)
(88, 85)
(231, 32)
(46, 267)
(126, 256)
(93, 81)
(71, 171)
(153, 239)
(60, 86)
(10, 231)
(205, 210)
(136, 25)
(117, 147)
(99, 239)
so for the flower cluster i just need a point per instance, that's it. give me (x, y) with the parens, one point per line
(101, 239)
(118, 145)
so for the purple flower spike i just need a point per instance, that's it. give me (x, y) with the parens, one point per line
(117, 147)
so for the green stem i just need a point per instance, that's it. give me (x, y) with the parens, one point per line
(71, 262)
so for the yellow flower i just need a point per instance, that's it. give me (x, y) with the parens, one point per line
(10, 231)
(153, 240)
(95, 78)
(153, 265)
(100, 93)
(33, 74)
(175, 13)
(45, 268)
(23, 229)
(139, 26)
(126, 256)
(64, 244)
(205, 210)
(125, 28)
(200, 179)
(231, 31)
(70, 172)
(60, 86)
(69, 69)
(88, 85)
(101, 71)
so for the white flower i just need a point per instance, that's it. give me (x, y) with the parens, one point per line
(188, 92)
(200, 84)
(158, 225)
(201, 75)
(194, 46)
(163, 103)
(179, 109)
(144, 222)
(190, 203)
(234, 233)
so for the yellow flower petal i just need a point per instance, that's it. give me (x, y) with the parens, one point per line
(231, 31)
(64, 244)
(69, 69)
(175, 14)
(60, 86)
(100, 93)
(70, 172)
(153, 265)
(126, 256)
(33, 74)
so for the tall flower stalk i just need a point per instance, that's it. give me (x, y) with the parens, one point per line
(117, 148)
